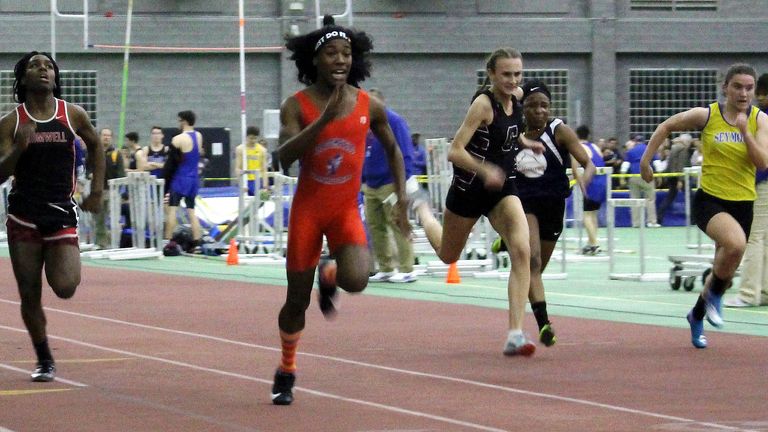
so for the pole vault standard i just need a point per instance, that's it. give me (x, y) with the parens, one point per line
(243, 123)
(55, 13)
(124, 91)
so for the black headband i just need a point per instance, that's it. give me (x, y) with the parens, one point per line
(535, 86)
(331, 35)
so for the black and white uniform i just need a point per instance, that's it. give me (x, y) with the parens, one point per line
(495, 143)
(542, 184)
(45, 174)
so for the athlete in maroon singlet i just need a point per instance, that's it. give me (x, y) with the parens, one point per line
(37, 143)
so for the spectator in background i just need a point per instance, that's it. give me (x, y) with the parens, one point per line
(377, 188)
(601, 143)
(80, 151)
(129, 151)
(152, 158)
(114, 168)
(419, 156)
(696, 156)
(595, 192)
(661, 164)
(639, 188)
(753, 290)
(182, 175)
(256, 160)
(613, 158)
(677, 161)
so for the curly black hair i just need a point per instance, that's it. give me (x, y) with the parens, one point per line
(303, 48)
(19, 89)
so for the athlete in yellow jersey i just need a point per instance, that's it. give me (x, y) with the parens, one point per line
(255, 157)
(735, 143)
(727, 172)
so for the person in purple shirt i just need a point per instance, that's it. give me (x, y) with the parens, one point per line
(181, 172)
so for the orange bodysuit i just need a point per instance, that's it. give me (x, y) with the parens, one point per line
(326, 200)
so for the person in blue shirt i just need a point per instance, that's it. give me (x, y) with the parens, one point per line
(419, 156)
(377, 188)
(595, 192)
(639, 188)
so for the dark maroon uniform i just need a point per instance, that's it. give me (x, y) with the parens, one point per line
(45, 177)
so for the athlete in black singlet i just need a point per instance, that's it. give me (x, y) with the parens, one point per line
(482, 155)
(543, 186)
(37, 141)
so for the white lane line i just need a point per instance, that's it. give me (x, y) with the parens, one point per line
(263, 381)
(61, 380)
(396, 370)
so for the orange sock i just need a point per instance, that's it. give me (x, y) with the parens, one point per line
(289, 342)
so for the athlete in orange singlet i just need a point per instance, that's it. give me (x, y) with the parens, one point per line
(324, 127)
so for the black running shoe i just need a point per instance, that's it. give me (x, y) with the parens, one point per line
(547, 335)
(282, 389)
(326, 287)
(44, 372)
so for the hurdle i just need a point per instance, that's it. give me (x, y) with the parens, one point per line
(145, 208)
(438, 180)
(577, 220)
(480, 239)
(251, 228)
(439, 177)
(688, 174)
(283, 191)
(439, 172)
(642, 276)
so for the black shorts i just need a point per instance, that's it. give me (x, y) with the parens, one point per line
(549, 212)
(706, 206)
(48, 218)
(174, 199)
(476, 200)
(590, 205)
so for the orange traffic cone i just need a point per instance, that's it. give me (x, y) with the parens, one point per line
(453, 274)
(232, 257)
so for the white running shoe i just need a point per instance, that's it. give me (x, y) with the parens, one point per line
(519, 345)
(737, 302)
(714, 308)
(381, 276)
(403, 278)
